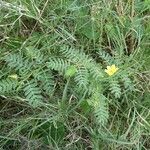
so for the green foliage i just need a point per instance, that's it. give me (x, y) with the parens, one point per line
(47, 81)
(54, 91)
(17, 62)
(82, 78)
(34, 54)
(14, 61)
(76, 56)
(99, 103)
(115, 88)
(71, 71)
(33, 93)
(58, 64)
(128, 84)
(8, 86)
(57, 133)
(86, 24)
(106, 57)
(85, 67)
(81, 60)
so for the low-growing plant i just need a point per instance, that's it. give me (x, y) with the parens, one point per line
(74, 75)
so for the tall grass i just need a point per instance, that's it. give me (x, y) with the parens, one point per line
(54, 91)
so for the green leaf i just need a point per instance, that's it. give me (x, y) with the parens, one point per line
(8, 86)
(71, 71)
(33, 93)
(54, 133)
(86, 25)
(88, 28)
(85, 106)
(99, 104)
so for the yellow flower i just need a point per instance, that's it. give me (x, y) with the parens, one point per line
(13, 76)
(111, 70)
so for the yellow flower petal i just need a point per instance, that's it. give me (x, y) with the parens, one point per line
(111, 70)
(13, 76)
(108, 67)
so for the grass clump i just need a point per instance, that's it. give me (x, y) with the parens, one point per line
(55, 91)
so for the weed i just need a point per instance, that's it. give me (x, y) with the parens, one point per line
(74, 75)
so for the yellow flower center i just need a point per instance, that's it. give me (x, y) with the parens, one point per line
(111, 70)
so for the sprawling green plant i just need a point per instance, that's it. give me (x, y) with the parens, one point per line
(73, 74)
(35, 78)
